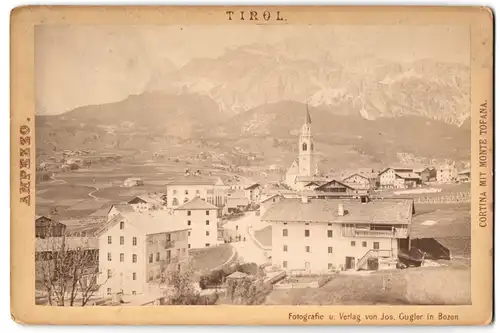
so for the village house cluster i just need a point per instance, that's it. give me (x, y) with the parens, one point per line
(320, 223)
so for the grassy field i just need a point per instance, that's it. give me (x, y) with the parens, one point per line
(264, 236)
(211, 257)
(417, 286)
(77, 194)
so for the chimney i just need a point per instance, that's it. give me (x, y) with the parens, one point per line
(341, 209)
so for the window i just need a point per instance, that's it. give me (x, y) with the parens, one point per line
(109, 291)
(307, 223)
(353, 243)
(175, 192)
(122, 257)
(308, 248)
(189, 222)
(186, 192)
(189, 213)
(207, 222)
(330, 233)
(134, 258)
(189, 233)
(330, 249)
(376, 245)
(189, 246)
(183, 251)
(207, 233)
(207, 212)
(285, 264)
(122, 240)
(133, 292)
(157, 256)
(175, 202)
(122, 225)
(109, 239)
(285, 232)
(285, 223)
(110, 274)
(109, 256)
(207, 244)
(307, 233)
(304, 146)
(134, 241)
(151, 258)
(363, 244)
(330, 266)
(285, 248)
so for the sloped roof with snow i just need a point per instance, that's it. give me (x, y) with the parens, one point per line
(387, 211)
(196, 203)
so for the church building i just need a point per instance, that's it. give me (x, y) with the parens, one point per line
(304, 169)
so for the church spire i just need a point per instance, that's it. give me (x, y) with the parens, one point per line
(308, 116)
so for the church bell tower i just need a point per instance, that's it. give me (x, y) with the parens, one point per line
(306, 148)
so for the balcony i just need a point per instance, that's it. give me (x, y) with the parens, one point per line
(396, 233)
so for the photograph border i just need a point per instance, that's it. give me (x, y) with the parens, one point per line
(22, 269)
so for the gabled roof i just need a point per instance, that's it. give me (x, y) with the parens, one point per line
(194, 180)
(147, 223)
(43, 221)
(146, 199)
(272, 196)
(122, 208)
(332, 182)
(355, 174)
(463, 172)
(387, 211)
(196, 203)
(409, 175)
(253, 186)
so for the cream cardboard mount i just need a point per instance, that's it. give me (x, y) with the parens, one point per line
(252, 165)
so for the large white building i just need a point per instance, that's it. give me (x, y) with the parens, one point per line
(321, 235)
(212, 189)
(135, 249)
(201, 218)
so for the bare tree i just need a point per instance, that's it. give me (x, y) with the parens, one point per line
(66, 267)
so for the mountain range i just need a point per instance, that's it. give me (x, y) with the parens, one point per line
(368, 108)
(248, 76)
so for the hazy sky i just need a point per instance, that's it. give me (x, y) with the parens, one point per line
(82, 65)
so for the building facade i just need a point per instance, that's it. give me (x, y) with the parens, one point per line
(358, 181)
(322, 235)
(446, 174)
(136, 248)
(211, 189)
(202, 218)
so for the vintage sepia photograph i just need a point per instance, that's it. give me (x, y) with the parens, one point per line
(252, 165)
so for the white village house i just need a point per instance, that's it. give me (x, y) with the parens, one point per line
(322, 235)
